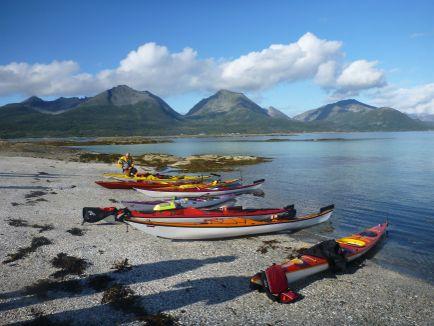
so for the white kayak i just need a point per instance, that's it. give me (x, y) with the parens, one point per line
(176, 203)
(227, 228)
(199, 192)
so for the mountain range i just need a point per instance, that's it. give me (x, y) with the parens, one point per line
(353, 115)
(123, 111)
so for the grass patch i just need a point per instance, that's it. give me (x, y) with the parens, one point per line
(24, 252)
(267, 245)
(69, 265)
(76, 231)
(121, 265)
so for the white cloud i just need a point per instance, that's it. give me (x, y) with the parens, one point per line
(43, 79)
(418, 99)
(279, 63)
(327, 74)
(153, 67)
(349, 79)
(361, 74)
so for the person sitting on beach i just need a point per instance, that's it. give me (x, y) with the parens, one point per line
(126, 163)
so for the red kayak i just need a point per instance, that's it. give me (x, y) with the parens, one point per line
(330, 254)
(159, 184)
(191, 214)
(131, 184)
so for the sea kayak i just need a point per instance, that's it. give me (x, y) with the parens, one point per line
(159, 185)
(199, 191)
(317, 259)
(218, 228)
(177, 203)
(189, 214)
(157, 177)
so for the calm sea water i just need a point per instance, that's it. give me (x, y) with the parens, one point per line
(370, 177)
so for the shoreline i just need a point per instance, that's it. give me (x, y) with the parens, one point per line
(244, 135)
(183, 280)
(188, 164)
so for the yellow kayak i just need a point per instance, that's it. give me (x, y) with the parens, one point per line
(164, 178)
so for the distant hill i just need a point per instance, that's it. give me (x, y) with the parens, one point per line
(122, 110)
(329, 111)
(226, 103)
(422, 116)
(227, 111)
(352, 115)
(275, 113)
(60, 105)
(124, 96)
(118, 111)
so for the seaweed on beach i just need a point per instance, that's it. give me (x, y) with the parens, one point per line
(17, 222)
(35, 193)
(69, 265)
(113, 200)
(160, 319)
(34, 197)
(106, 141)
(268, 244)
(123, 298)
(100, 282)
(296, 252)
(40, 319)
(121, 265)
(24, 252)
(98, 157)
(23, 223)
(219, 164)
(41, 288)
(76, 231)
(43, 228)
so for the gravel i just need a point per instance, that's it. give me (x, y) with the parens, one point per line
(204, 282)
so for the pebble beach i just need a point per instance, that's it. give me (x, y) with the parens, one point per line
(164, 281)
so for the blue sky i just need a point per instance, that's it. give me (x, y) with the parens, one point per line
(88, 37)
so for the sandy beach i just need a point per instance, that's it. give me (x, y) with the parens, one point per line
(192, 283)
